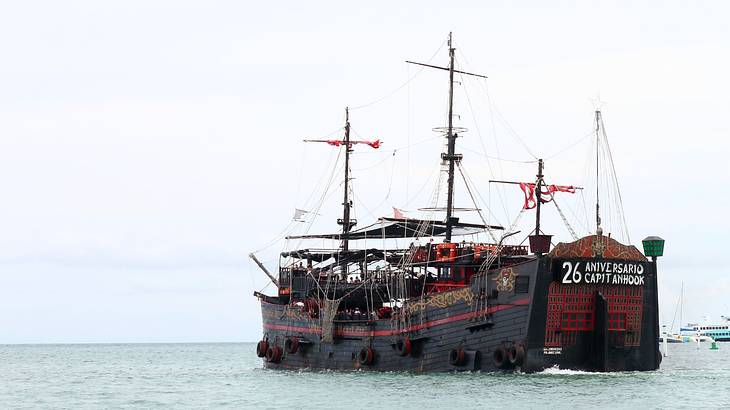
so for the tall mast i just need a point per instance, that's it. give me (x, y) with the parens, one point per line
(538, 194)
(599, 230)
(346, 221)
(450, 155)
(681, 305)
(346, 203)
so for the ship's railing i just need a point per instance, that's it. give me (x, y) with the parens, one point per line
(464, 252)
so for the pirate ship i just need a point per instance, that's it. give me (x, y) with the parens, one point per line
(446, 304)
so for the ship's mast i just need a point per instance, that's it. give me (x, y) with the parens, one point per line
(538, 194)
(346, 221)
(450, 155)
(346, 203)
(599, 230)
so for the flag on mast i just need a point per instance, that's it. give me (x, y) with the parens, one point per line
(299, 215)
(546, 195)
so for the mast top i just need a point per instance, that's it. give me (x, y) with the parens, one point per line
(599, 230)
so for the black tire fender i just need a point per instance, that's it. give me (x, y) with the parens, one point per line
(261, 347)
(403, 346)
(291, 345)
(500, 358)
(366, 357)
(457, 357)
(516, 355)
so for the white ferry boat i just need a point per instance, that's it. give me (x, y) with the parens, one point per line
(718, 332)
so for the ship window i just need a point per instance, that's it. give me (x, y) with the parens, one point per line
(577, 321)
(617, 321)
(522, 284)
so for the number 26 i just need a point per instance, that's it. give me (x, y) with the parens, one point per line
(572, 275)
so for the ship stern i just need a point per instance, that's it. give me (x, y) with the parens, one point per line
(595, 309)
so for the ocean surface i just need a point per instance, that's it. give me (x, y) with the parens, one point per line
(179, 376)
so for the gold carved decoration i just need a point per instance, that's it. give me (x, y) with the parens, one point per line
(441, 300)
(596, 246)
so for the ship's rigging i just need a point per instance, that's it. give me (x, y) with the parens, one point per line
(426, 226)
(424, 292)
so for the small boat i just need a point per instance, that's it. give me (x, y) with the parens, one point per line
(698, 338)
(672, 338)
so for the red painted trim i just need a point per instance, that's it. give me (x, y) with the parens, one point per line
(390, 332)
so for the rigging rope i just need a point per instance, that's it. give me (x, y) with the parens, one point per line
(494, 110)
(481, 139)
(476, 205)
(565, 220)
(517, 161)
(390, 94)
(571, 145)
(471, 181)
(620, 204)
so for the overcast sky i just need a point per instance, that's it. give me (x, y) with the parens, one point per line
(148, 146)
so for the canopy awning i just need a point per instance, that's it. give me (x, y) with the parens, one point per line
(403, 228)
(317, 255)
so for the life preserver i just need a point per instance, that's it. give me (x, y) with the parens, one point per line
(366, 356)
(516, 355)
(261, 347)
(500, 358)
(403, 346)
(457, 357)
(291, 345)
(273, 354)
(446, 252)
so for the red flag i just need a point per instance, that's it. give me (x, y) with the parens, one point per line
(560, 188)
(545, 195)
(398, 214)
(529, 190)
(375, 144)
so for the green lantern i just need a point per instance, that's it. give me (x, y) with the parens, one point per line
(653, 246)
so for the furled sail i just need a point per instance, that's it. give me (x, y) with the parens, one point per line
(402, 228)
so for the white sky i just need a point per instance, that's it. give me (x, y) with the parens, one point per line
(148, 146)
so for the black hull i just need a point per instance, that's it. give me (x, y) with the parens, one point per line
(468, 329)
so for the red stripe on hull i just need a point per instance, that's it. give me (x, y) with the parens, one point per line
(391, 332)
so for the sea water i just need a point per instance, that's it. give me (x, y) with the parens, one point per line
(179, 376)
